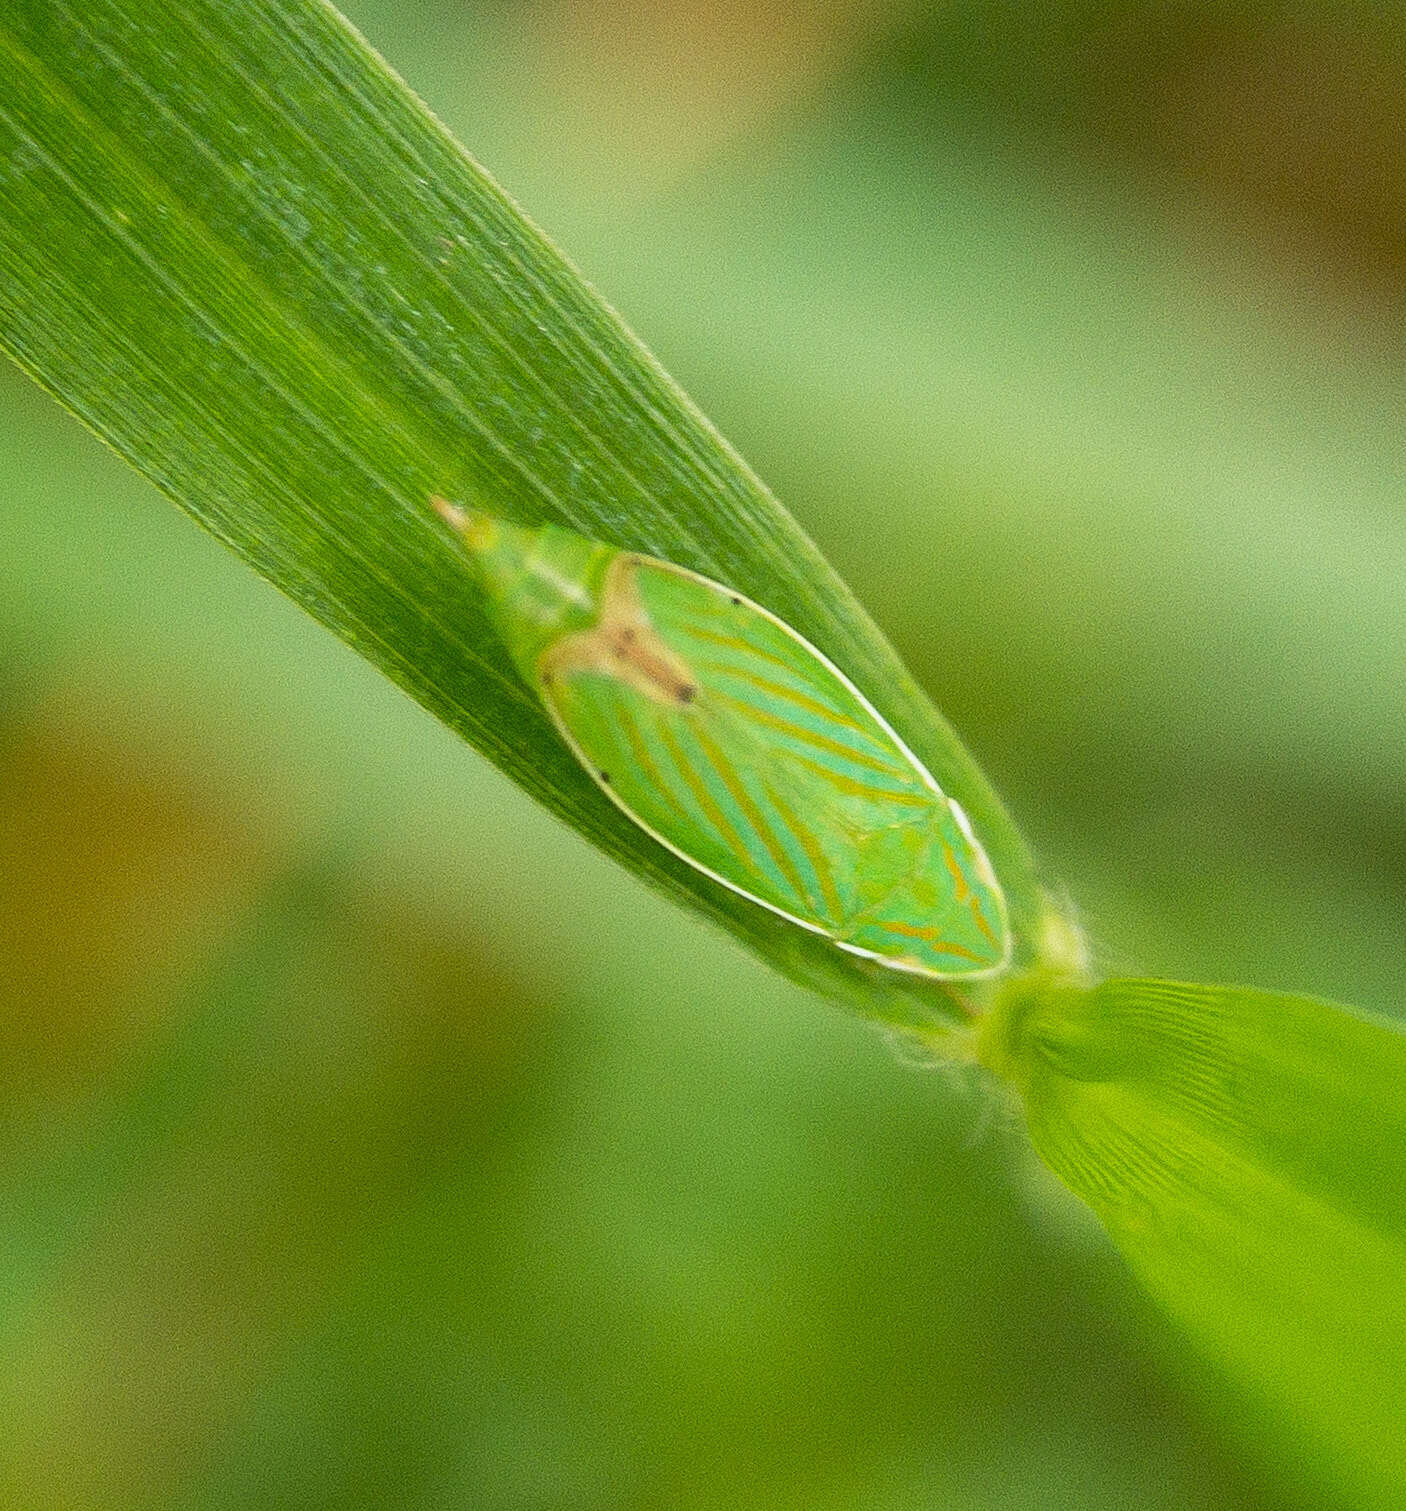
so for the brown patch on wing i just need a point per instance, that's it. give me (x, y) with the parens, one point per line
(624, 644)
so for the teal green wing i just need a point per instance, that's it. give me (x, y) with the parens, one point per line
(770, 772)
(703, 788)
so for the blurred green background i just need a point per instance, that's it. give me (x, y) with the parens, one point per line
(368, 1141)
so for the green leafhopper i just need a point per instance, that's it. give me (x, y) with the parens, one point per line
(737, 745)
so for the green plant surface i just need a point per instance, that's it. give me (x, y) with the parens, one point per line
(1242, 1148)
(235, 246)
(253, 263)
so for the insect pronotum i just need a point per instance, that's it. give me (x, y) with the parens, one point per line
(741, 748)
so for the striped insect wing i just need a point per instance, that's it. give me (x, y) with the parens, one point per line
(740, 747)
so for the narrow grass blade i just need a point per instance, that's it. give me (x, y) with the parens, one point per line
(239, 249)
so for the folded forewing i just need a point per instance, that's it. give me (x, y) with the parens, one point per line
(703, 788)
(774, 776)
(761, 674)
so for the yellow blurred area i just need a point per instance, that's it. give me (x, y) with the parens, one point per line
(117, 875)
(644, 94)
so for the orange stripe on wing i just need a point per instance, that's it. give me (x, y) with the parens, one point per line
(705, 801)
(780, 690)
(810, 736)
(912, 931)
(959, 881)
(814, 854)
(645, 761)
(979, 919)
(852, 788)
(752, 813)
(966, 895)
(732, 643)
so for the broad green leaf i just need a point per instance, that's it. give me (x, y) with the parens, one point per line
(1244, 1150)
(250, 260)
